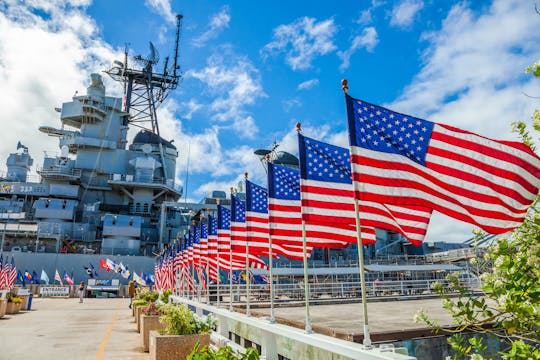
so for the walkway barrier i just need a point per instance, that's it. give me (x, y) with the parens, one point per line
(280, 342)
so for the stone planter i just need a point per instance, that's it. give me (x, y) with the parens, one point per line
(174, 347)
(3, 306)
(138, 313)
(13, 308)
(149, 323)
(24, 304)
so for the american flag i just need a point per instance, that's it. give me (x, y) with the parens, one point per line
(257, 225)
(58, 278)
(238, 224)
(327, 194)
(403, 160)
(286, 218)
(238, 256)
(12, 275)
(213, 248)
(2, 280)
(68, 279)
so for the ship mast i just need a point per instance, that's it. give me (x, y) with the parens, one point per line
(145, 89)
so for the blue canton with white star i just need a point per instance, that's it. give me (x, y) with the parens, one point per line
(256, 198)
(212, 225)
(224, 218)
(238, 209)
(197, 233)
(204, 231)
(283, 182)
(324, 162)
(380, 129)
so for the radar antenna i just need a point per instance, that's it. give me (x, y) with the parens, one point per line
(144, 89)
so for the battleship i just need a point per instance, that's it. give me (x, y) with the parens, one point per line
(106, 195)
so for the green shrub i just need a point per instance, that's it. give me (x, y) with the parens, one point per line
(140, 302)
(223, 353)
(150, 297)
(13, 298)
(165, 296)
(179, 320)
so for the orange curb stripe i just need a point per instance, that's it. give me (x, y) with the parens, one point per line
(107, 334)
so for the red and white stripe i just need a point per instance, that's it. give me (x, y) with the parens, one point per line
(326, 201)
(471, 178)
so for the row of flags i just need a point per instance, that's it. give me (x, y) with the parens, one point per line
(8, 273)
(399, 169)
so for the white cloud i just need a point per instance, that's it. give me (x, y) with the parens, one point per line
(43, 60)
(290, 103)
(366, 15)
(403, 13)
(236, 83)
(308, 84)
(367, 40)
(302, 41)
(191, 107)
(218, 22)
(472, 78)
(162, 8)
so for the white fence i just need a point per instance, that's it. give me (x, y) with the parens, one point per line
(280, 342)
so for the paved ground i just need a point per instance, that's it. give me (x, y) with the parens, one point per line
(64, 329)
(383, 316)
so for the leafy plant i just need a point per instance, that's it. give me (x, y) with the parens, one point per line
(140, 302)
(13, 298)
(150, 296)
(165, 296)
(153, 309)
(223, 353)
(179, 320)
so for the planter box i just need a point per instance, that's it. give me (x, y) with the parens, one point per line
(174, 347)
(138, 313)
(13, 308)
(25, 299)
(149, 323)
(3, 306)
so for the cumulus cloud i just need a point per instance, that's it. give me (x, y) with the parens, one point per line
(404, 12)
(367, 40)
(217, 23)
(162, 8)
(472, 78)
(366, 15)
(308, 84)
(302, 41)
(43, 61)
(236, 84)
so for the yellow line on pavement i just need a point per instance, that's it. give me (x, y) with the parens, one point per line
(107, 334)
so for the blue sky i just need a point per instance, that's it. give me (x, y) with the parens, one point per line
(253, 69)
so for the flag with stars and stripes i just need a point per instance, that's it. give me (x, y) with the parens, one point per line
(327, 195)
(403, 160)
(285, 215)
(238, 224)
(258, 229)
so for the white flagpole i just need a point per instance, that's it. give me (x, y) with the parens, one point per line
(309, 329)
(367, 338)
(230, 267)
(248, 280)
(270, 260)
(218, 281)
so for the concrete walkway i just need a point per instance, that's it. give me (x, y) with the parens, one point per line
(65, 329)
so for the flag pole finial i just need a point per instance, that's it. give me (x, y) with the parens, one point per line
(246, 175)
(298, 127)
(345, 85)
(232, 190)
(267, 156)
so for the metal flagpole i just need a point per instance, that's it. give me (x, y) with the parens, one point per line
(309, 330)
(306, 279)
(248, 280)
(218, 281)
(230, 265)
(367, 338)
(270, 264)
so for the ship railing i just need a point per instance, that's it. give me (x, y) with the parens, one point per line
(132, 178)
(333, 291)
(454, 255)
(59, 171)
(279, 341)
(30, 178)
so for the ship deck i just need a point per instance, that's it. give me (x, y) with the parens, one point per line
(104, 328)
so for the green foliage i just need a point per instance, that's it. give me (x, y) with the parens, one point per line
(165, 296)
(223, 353)
(509, 306)
(140, 302)
(13, 298)
(150, 297)
(179, 320)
